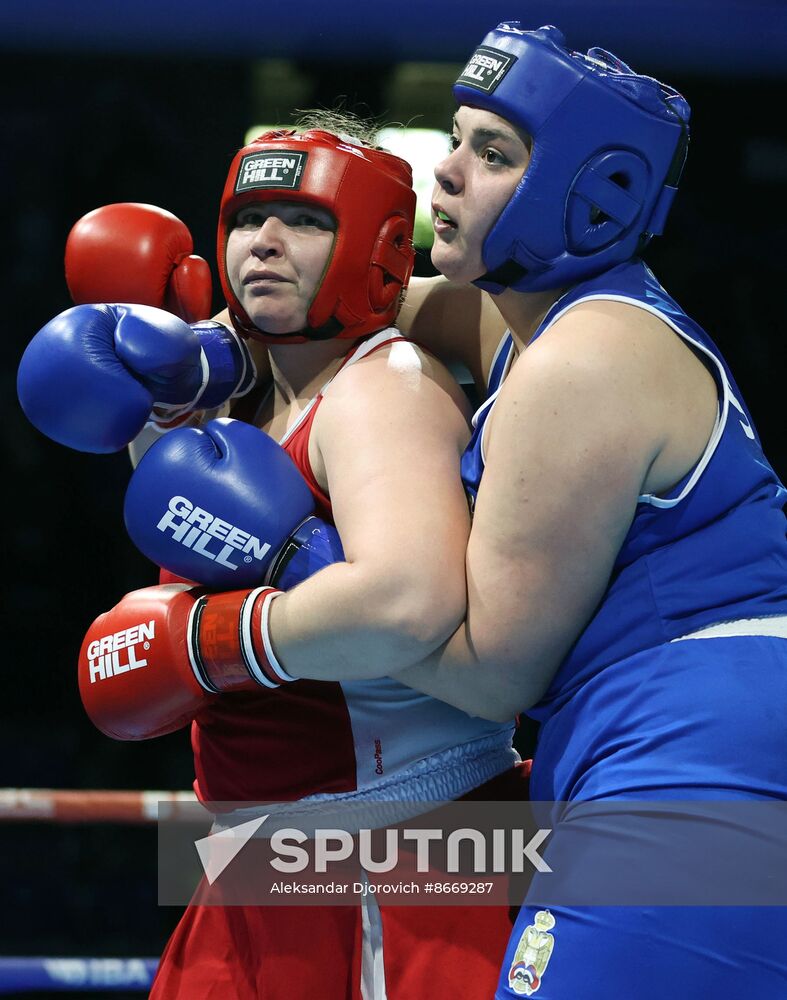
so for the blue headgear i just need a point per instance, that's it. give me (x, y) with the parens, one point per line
(608, 150)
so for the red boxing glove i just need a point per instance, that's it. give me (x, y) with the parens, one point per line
(129, 252)
(147, 666)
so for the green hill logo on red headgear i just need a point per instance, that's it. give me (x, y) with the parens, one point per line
(281, 169)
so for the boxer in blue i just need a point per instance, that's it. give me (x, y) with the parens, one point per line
(627, 566)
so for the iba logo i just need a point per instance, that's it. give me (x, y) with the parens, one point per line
(277, 169)
(486, 68)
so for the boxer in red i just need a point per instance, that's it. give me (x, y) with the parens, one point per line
(313, 266)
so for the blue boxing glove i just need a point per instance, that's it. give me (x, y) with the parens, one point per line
(90, 378)
(313, 545)
(225, 505)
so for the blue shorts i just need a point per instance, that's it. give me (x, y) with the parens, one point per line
(647, 953)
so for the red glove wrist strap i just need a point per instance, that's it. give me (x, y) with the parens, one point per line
(229, 642)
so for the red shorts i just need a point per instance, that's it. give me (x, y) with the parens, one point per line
(341, 952)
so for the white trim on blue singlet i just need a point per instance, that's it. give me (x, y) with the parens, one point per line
(512, 353)
(775, 626)
(506, 369)
(721, 417)
(498, 351)
(489, 403)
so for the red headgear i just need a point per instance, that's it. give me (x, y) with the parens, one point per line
(369, 193)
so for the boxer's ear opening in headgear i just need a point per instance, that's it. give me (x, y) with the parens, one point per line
(608, 150)
(390, 261)
(369, 193)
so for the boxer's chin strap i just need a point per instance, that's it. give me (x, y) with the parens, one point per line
(328, 331)
(520, 263)
(502, 277)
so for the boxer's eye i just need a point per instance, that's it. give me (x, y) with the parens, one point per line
(493, 157)
(249, 219)
(308, 218)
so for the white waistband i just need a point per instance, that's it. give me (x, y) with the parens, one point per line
(441, 777)
(773, 626)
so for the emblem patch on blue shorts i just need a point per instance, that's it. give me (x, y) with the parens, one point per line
(532, 955)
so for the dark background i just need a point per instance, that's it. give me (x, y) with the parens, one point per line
(148, 103)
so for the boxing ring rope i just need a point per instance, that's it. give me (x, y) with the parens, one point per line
(69, 975)
(50, 805)
(67, 806)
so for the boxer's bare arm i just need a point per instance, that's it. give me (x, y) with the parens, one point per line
(604, 409)
(389, 435)
(459, 324)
